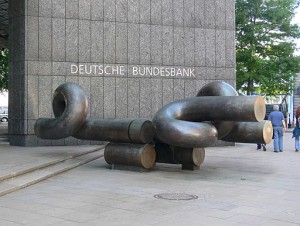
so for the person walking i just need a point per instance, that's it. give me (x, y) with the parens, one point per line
(277, 119)
(296, 130)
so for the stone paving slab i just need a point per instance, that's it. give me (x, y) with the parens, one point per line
(235, 186)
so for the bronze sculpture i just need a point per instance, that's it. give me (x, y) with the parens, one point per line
(178, 133)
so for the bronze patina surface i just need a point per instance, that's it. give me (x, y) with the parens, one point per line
(177, 134)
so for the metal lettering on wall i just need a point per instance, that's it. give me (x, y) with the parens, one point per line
(100, 69)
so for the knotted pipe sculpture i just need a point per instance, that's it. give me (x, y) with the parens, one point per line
(177, 134)
(70, 108)
(185, 127)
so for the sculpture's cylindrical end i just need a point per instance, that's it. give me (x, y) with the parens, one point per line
(259, 108)
(267, 132)
(251, 132)
(198, 156)
(190, 156)
(141, 131)
(130, 154)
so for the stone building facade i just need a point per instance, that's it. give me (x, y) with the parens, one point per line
(131, 56)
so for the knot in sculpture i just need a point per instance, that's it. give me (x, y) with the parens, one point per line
(178, 133)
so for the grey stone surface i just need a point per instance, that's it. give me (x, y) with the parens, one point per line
(189, 88)
(47, 37)
(74, 79)
(178, 89)
(210, 14)
(109, 86)
(97, 9)
(44, 97)
(168, 91)
(59, 68)
(168, 45)
(145, 98)
(121, 44)
(189, 46)
(97, 44)
(33, 7)
(230, 48)
(45, 8)
(178, 6)
(56, 81)
(200, 47)
(109, 42)
(189, 13)
(230, 14)
(109, 10)
(133, 97)
(30, 126)
(121, 98)
(45, 44)
(97, 97)
(32, 52)
(45, 68)
(179, 50)
(156, 45)
(145, 44)
(121, 11)
(220, 14)
(220, 48)
(145, 7)
(58, 39)
(85, 9)
(33, 68)
(84, 41)
(156, 12)
(133, 44)
(59, 8)
(232, 189)
(133, 11)
(157, 93)
(167, 12)
(72, 10)
(72, 40)
(200, 13)
(210, 50)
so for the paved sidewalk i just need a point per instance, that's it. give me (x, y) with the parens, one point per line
(235, 186)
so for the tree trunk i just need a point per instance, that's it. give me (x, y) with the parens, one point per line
(249, 86)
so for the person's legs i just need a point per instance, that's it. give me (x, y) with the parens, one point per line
(276, 139)
(280, 142)
(297, 143)
(258, 146)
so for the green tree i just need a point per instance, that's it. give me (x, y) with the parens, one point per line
(265, 58)
(4, 60)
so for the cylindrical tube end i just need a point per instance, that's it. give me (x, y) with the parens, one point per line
(141, 131)
(130, 154)
(267, 131)
(251, 132)
(190, 156)
(259, 108)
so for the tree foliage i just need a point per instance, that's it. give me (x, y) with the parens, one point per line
(4, 60)
(265, 58)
